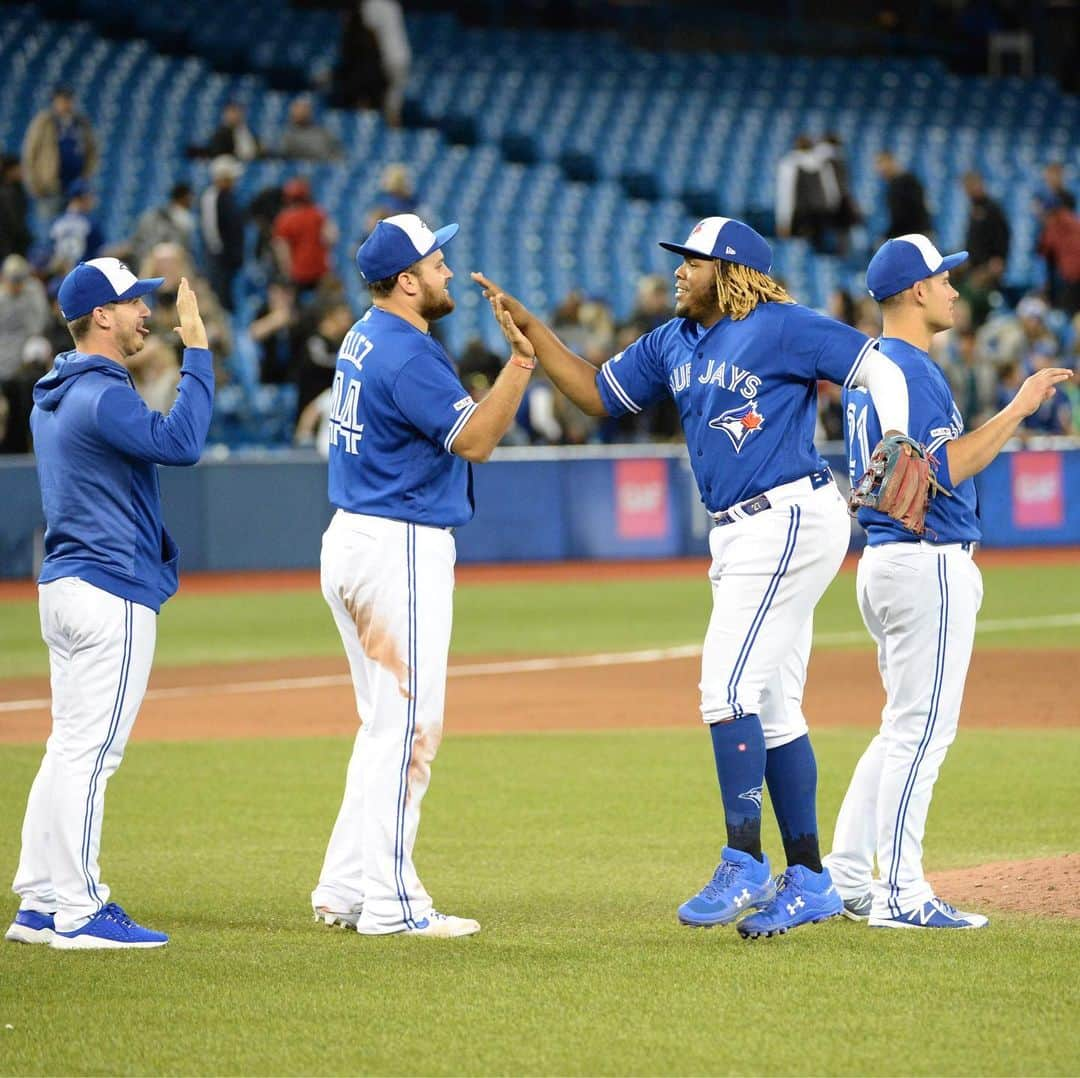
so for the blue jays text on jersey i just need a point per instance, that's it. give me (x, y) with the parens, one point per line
(934, 420)
(396, 407)
(746, 392)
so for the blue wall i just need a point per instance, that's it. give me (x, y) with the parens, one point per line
(268, 512)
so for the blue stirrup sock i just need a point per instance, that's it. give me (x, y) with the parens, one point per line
(739, 748)
(791, 775)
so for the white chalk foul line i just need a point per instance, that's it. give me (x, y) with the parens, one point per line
(526, 666)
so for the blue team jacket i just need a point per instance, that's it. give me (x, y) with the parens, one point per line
(97, 446)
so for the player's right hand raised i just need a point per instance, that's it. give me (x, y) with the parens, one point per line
(518, 312)
(1038, 389)
(191, 329)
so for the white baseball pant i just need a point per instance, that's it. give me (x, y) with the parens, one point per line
(390, 588)
(100, 651)
(919, 601)
(768, 572)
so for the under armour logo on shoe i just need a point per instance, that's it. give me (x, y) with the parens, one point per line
(793, 907)
(741, 900)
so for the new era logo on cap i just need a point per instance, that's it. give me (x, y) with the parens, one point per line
(396, 243)
(726, 238)
(98, 282)
(900, 262)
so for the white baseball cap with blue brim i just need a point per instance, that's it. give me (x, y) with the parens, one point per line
(728, 239)
(898, 263)
(396, 243)
(100, 281)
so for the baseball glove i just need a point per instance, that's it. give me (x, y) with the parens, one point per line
(899, 482)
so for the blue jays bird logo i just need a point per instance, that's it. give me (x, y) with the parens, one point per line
(739, 423)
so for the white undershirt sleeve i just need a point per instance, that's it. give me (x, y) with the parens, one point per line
(888, 389)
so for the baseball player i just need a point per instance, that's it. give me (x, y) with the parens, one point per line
(403, 434)
(741, 360)
(918, 597)
(109, 565)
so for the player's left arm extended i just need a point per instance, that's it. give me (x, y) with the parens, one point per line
(888, 389)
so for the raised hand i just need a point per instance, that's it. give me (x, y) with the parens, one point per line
(191, 329)
(1039, 388)
(517, 340)
(518, 312)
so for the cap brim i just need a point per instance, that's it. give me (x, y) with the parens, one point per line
(444, 235)
(141, 288)
(952, 261)
(688, 252)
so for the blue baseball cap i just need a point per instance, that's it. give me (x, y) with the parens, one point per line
(899, 263)
(396, 243)
(100, 281)
(726, 238)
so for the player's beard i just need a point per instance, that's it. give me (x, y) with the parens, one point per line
(698, 305)
(434, 302)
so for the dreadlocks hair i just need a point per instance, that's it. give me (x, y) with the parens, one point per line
(739, 289)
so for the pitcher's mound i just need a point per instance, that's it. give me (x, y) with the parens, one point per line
(1047, 886)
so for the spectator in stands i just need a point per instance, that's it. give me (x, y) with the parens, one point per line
(1011, 338)
(652, 306)
(1053, 192)
(15, 234)
(806, 194)
(987, 239)
(59, 149)
(75, 235)
(171, 222)
(233, 137)
(24, 315)
(274, 333)
(320, 338)
(171, 261)
(221, 219)
(385, 19)
(1059, 242)
(395, 196)
(303, 137)
(904, 198)
(303, 237)
(844, 213)
(357, 80)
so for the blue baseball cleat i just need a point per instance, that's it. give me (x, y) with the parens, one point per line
(30, 926)
(740, 883)
(109, 928)
(802, 897)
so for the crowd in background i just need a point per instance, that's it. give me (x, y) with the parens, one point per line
(281, 242)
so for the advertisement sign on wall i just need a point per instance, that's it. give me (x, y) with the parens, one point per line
(641, 499)
(1038, 490)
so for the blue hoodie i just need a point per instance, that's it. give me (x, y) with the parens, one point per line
(97, 445)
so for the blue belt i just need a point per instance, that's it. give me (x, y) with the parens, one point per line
(760, 502)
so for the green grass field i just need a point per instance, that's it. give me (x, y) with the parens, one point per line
(546, 618)
(573, 850)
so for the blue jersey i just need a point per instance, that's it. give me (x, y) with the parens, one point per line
(933, 420)
(746, 392)
(396, 407)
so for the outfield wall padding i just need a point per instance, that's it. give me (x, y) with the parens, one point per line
(268, 511)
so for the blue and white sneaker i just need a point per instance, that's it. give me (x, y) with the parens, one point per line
(933, 913)
(803, 897)
(740, 883)
(30, 926)
(109, 928)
